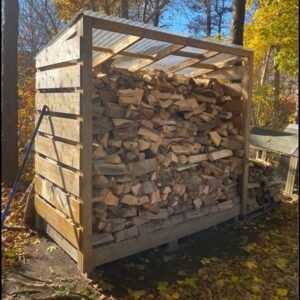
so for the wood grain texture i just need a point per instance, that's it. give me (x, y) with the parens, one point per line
(65, 77)
(59, 151)
(65, 203)
(61, 127)
(58, 221)
(105, 254)
(64, 178)
(68, 103)
(59, 52)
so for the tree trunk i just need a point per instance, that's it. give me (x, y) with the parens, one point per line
(9, 99)
(124, 9)
(276, 95)
(208, 18)
(237, 21)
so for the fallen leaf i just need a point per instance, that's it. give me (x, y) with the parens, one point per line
(250, 264)
(282, 292)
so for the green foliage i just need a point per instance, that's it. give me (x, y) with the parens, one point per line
(264, 108)
(275, 25)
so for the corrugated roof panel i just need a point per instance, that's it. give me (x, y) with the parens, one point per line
(126, 62)
(148, 47)
(218, 58)
(188, 71)
(193, 50)
(279, 141)
(107, 39)
(167, 62)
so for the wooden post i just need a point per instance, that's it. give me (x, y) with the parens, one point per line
(247, 97)
(290, 180)
(85, 263)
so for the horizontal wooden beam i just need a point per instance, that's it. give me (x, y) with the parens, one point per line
(58, 221)
(192, 62)
(149, 33)
(66, 179)
(122, 45)
(111, 252)
(61, 200)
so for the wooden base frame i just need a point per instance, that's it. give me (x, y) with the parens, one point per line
(105, 254)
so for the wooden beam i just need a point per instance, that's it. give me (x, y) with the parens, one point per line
(105, 254)
(61, 152)
(68, 103)
(227, 73)
(162, 54)
(122, 45)
(64, 51)
(68, 205)
(154, 34)
(247, 82)
(192, 61)
(66, 77)
(58, 221)
(66, 179)
(84, 255)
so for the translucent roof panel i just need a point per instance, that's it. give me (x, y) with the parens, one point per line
(190, 70)
(148, 47)
(128, 62)
(218, 58)
(193, 50)
(167, 62)
(107, 39)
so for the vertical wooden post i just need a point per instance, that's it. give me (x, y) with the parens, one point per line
(85, 260)
(247, 98)
(290, 180)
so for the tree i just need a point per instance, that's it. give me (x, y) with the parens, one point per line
(210, 16)
(9, 103)
(237, 21)
(143, 11)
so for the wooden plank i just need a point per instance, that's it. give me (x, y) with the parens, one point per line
(65, 203)
(191, 62)
(233, 89)
(58, 221)
(290, 180)
(64, 178)
(85, 259)
(65, 77)
(147, 63)
(247, 82)
(61, 127)
(62, 242)
(234, 106)
(59, 151)
(122, 45)
(227, 73)
(68, 103)
(105, 254)
(149, 33)
(59, 52)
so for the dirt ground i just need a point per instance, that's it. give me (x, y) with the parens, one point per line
(47, 272)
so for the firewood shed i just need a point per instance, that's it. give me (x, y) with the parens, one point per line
(146, 140)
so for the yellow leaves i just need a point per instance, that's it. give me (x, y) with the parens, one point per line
(280, 263)
(162, 286)
(136, 295)
(205, 261)
(250, 247)
(175, 295)
(282, 292)
(234, 278)
(250, 264)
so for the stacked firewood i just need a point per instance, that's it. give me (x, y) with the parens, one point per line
(164, 151)
(263, 188)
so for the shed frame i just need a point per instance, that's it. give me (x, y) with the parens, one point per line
(63, 158)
